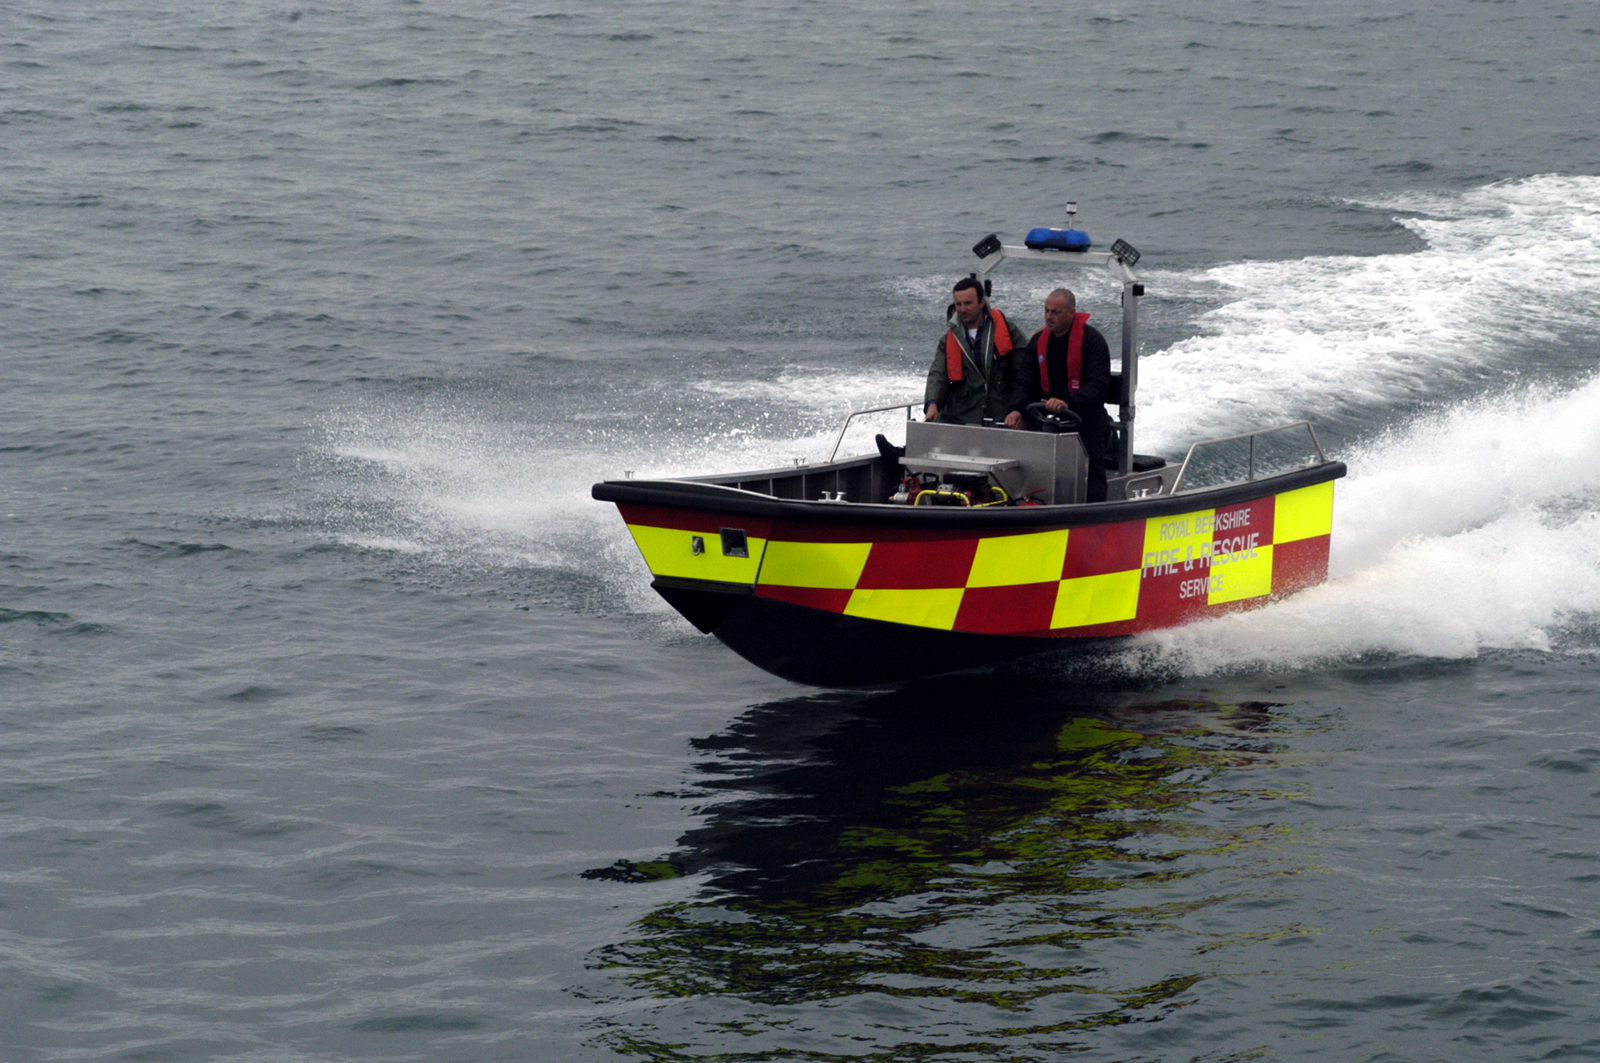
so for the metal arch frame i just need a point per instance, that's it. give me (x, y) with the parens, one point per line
(1132, 289)
(1250, 471)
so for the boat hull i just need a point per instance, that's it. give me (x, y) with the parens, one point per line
(841, 594)
(827, 649)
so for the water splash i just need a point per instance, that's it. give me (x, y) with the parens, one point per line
(1473, 530)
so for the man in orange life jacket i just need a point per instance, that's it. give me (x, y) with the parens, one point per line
(973, 367)
(1067, 366)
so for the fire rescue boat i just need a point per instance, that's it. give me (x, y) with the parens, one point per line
(972, 544)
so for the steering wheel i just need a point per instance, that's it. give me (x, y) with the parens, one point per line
(1054, 421)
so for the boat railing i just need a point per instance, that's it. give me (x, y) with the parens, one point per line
(1251, 458)
(837, 443)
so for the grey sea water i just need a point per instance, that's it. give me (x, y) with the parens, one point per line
(337, 722)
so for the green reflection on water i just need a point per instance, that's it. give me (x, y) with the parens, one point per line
(1008, 885)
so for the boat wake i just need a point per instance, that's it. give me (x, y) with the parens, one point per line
(1506, 284)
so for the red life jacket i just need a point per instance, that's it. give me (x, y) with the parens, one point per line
(1074, 356)
(952, 346)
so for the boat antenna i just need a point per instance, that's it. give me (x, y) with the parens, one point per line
(1072, 212)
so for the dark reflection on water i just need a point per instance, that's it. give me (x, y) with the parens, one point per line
(948, 870)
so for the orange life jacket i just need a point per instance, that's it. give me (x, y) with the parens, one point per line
(952, 346)
(1074, 356)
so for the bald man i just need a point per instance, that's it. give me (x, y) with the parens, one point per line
(1067, 366)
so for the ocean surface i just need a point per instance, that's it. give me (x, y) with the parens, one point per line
(337, 722)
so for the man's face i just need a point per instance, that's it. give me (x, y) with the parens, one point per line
(969, 307)
(1057, 315)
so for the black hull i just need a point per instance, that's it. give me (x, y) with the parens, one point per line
(830, 650)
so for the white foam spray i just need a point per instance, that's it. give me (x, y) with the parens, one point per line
(448, 482)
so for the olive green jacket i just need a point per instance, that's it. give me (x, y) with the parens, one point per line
(987, 376)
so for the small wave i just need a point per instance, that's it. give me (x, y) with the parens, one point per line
(418, 1023)
(253, 694)
(599, 125)
(52, 623)
(40, 617)
(176, 549)
(402, 82)
(1115, 136)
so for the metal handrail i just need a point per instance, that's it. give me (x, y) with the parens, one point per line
(906, 406)
(1177, 484)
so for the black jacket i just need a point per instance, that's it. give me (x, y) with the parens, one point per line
(1089, 400)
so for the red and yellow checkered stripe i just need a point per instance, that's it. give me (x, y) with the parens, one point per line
(1098, 579)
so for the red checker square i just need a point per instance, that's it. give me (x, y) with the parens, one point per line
(827, 599)
(1101, 548)
(918, 565)
(1300, 564)
(1173, 598)
(1246, 518)
(1007, 610)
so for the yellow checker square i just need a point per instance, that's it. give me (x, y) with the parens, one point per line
(1179, 531)
(1007, 560)
(833, 566)
(1103, 599)
(920, 608)
(670, 552)
(1235, 577)
(1303, 514)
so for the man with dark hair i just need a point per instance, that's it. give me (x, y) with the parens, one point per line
(973, 367)
(1067, 366)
